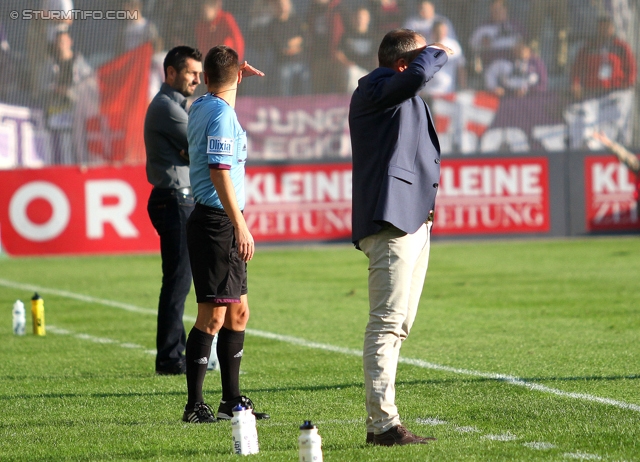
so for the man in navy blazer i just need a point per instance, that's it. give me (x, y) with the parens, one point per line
(396, 171)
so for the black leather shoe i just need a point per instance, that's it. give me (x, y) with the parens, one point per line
(400, 436)
(225, 410)
(176, 369)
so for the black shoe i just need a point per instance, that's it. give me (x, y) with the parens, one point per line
(369, 437)
(201, 413)
(179, 368)
(225, 410)
(399, 435)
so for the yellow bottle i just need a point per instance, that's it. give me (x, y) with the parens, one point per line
(37, 313)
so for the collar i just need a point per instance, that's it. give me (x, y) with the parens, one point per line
(173, 94)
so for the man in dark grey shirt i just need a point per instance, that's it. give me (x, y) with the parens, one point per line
(171, 201)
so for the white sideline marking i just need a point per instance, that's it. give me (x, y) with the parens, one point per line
(431, 421)
(509, 379)
(102, 340)
(506, 437)
(539, 445)
(467, 429)
(581, 456)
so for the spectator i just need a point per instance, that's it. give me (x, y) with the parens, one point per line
(558, 12)
(604, 64)
(179, 22)
(464, 14)
(261, 14)
(586, 13)
(495, 39)
(218, 27)
(8, 82)
(4, 43)
(584, 17)
(424, 21)
(358, 48)
(453, 75)
(258, 16)
(326, 27)
(387, 15)
(524, 74)
(64, 70)
(286, 36)
(56, 26)
(41, 36)
(622, 14)
(138, 30)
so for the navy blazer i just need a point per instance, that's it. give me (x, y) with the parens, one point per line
(396, 154)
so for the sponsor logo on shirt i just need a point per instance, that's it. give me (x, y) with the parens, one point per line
(220, 146)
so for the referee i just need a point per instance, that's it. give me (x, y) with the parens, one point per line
(220, 244)
(171, 201)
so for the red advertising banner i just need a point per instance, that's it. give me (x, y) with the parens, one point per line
(66, 210)
(609, 201)
(503, 196)
(299, 202)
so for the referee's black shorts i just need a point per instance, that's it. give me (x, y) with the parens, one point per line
(219, 274)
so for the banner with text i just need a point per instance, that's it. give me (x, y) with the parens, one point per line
(24, 141)
(299, 127)
(508, 195)
(468, 122)
(610, 204)
(299, 202)
(66, 210)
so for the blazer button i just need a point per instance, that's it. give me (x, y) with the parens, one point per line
(435, 185)
(437, 161)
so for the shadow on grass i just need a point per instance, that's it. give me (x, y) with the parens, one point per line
(311, 388)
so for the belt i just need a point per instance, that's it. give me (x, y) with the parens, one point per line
(186, 191)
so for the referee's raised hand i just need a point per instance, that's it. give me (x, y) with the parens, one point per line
(248, 70)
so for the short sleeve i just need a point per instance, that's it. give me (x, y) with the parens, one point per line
(221, 141)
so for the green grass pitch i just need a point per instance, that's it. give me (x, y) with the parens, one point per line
(525, 350)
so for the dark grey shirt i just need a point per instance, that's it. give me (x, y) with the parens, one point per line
(165, 135)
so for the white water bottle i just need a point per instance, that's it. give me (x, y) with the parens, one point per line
(19, 318)
(254, 447)
(309, 443)
(243, 431)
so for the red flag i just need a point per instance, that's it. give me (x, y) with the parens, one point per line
(116, 133)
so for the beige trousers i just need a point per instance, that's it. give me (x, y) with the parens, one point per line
(397, 269)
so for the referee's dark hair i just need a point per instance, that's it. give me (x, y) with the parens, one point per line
(398, 43)
(221, 66)
(177, 58)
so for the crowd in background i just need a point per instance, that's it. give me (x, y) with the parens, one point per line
(507, 47)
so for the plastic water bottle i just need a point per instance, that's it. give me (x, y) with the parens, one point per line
(243, 431)
(309, 443)
(19, 318)
(253, 431)
(37, 312)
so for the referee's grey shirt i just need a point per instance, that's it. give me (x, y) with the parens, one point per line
(165, 135)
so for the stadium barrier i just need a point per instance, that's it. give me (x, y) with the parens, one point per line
(70, 210)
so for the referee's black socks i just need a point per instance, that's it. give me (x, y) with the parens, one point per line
(230, 348)
(197, 353)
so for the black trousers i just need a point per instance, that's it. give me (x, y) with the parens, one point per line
(169, 210)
